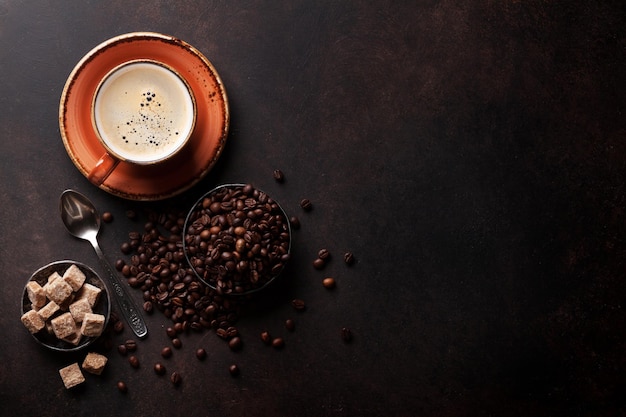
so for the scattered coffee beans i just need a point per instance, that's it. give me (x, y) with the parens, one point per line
(131, 345)
(118, 327)
(107, 217)
(306, 204)
(346, 334)
(119, 264)
(235, 343)
(298, 304)
(290, 325)
(171, 332)
(122, 350)
(201, 354)
(348, 257)
(134, 362)
(278, 343)
(176, 379)
(295, 222)
(319, 263)
(148, 307)
(166, 352)
(121, 386)
(279, 176)
(159, 269)
(131, 214)
(237, 239)
(126, 248)
(177, 343)
(159, 368)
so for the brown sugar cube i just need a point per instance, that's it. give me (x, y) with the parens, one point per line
(74, 338)
(58, 291)
(89, 292)
(33, 321)
(74, 277)
(94, 363)
(53, 276)
(48, 310)
(79, 308)
(36, 294)
(93, 325)
(66, 304)
(71, 375)
(63, 326)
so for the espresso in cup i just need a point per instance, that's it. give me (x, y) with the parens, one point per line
(143, 112)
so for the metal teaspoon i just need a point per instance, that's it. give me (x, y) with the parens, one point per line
(82, 221)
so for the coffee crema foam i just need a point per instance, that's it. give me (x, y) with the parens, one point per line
(143, 112)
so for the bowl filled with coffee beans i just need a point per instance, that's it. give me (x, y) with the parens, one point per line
(237, 239)
(65, 305)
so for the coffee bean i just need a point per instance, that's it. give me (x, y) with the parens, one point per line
(306, 204)
(201, 354)
(266, 338)
(148, 307)
(107, 217)
(118, 327)
(176, 379)
(126, 248)
(298, 304)
(166, 352)
(121, 386)
(295, 222)
(233, 369)
(119, 264)
(122, 350)
(348, 258)
(222, 333)
(279, 176)
(171, 332)
(346, 334)
(235, 343)
(232, 331)
(329, 283)
(319, 263)
(159, 368)
(278, 343)
(134, 362)
(323, 254)
(131, 214)
(131, 345)
(177, 343)
(290, 325)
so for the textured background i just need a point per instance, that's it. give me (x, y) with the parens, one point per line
(470, 154)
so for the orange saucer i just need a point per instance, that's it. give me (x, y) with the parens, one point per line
(187, 167)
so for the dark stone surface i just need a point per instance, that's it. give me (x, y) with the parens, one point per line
(470, 154)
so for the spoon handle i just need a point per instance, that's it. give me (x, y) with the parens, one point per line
(125, 302)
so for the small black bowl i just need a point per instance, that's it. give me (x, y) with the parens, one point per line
(240, 247)
(103, 306)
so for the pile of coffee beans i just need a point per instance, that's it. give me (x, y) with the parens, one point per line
(237, 239)
(159, 269)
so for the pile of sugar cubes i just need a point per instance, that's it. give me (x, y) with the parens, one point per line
(64, 306)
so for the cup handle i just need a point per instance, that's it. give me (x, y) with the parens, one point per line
(103, 168)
